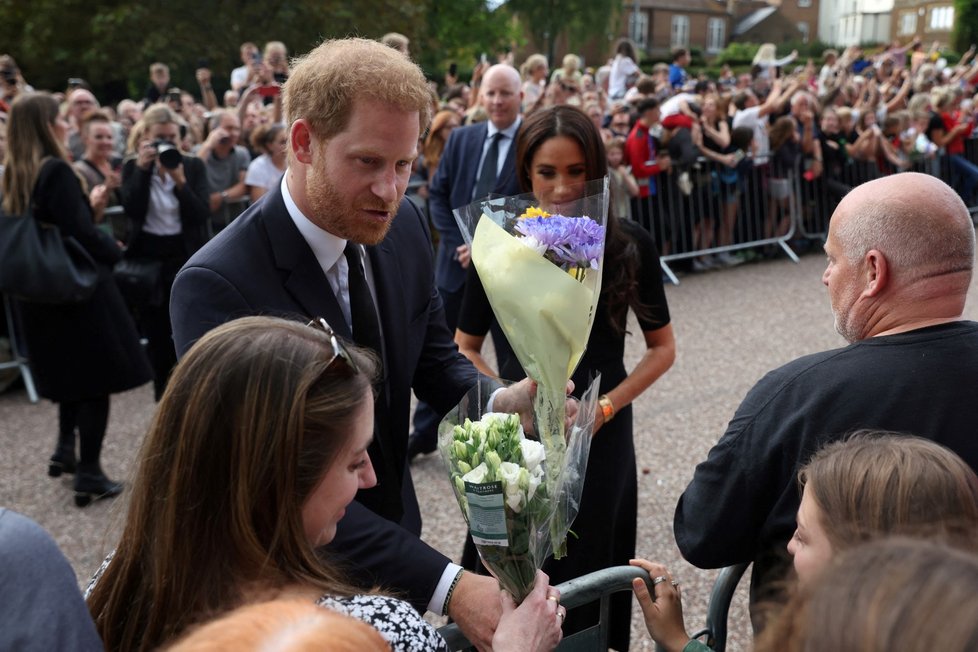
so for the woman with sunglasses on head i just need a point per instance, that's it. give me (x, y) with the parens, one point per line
(559, 149)
(80, 353)
(257, 448)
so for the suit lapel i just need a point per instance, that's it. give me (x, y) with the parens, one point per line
(304, 278)
(470, 152)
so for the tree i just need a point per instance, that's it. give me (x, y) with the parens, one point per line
(579, 20)
(112, 43)
(459, 31)
(965, 24)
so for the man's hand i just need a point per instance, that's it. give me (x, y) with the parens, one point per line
(203, 76)
(215, 137)
(664, 162)
(463, 254)
(476, 608)
(518, 398)
(534, 626)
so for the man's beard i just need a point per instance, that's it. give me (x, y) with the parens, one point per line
(332, 213)
(847, 326)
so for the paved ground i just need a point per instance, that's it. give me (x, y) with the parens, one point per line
(731, 327)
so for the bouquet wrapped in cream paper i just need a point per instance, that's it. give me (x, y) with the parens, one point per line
(540, 262)
(500, 478)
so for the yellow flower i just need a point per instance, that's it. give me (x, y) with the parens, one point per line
(533, 211)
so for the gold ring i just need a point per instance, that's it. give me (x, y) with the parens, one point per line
(561, 615)
(554, 598)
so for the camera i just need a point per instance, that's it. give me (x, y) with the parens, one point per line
(168, 154)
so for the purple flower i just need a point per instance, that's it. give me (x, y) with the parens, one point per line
(574, 241)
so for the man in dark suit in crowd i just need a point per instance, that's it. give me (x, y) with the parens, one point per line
(463, 176)
(299, 252)
(900, 255)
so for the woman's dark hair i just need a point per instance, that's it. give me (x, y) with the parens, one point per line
(253, 416)
(625, 48)
(619, 284)
(740, 137)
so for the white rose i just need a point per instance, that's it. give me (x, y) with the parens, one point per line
(533, 453)
(477, 475)
(509, 473)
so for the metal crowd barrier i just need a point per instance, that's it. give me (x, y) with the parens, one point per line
(18, 356)
(820, 196)
(720, 217)
(597, 586)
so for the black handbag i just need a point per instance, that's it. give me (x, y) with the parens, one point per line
(40, 265)
(140, 281)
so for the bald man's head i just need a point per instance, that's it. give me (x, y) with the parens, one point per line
(501, 95)
(916, 221)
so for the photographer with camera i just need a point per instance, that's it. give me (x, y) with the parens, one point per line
(165, 196)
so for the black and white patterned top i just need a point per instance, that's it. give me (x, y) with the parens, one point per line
(396, 620)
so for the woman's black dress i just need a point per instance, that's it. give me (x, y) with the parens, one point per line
(605, 526)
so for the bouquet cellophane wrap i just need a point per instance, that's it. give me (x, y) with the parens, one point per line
(510, 492)
(540, 262)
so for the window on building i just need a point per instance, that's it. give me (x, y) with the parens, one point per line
(680, 32)
(715, 33)
(803, 28)
(804, 3)
(941, 18)
(638, 27)
(908, 23)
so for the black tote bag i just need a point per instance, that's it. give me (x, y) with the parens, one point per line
(40, 265)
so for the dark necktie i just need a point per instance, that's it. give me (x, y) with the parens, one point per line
(487, 176)
(385, 498)
(363, 312)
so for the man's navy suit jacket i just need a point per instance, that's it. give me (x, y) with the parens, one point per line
(261, 265)
(452, 188)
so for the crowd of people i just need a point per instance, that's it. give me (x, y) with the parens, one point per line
(285, 349)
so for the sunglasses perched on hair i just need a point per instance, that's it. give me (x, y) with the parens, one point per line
(339, 351)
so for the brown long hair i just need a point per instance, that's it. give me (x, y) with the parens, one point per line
(30, 140)
(252, 418)
(892, 594)
(619, 285)
(434, 142)
(879, 483)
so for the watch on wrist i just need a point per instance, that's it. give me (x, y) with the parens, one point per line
(607, 407)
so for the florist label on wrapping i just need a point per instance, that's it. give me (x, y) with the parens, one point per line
(487, 513)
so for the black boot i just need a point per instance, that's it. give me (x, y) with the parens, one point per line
(63, 461)
(91, 484)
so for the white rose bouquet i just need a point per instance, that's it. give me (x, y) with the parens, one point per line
(509, 490)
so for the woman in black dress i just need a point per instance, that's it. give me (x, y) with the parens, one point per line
(80, 353)
(557, 150)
